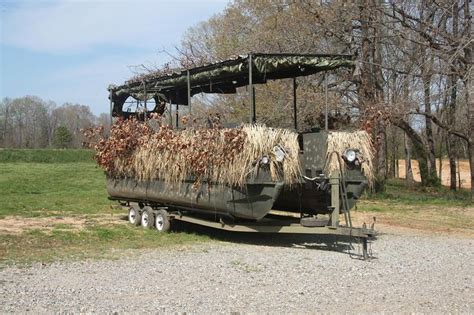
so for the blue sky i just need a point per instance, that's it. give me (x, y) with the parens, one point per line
(71, 50)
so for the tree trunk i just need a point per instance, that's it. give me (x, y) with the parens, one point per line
(397, 173)
(468, 88)
(418, 147)
(459, 173)
(408, 169)
(369, 91)
(470, 153)
(393, 157)
(425, 68)
(381, 151)
(470, 143)
(422, 158)
(432, 176)
(450, 139)
(451, 161)
(376, 47)
(450, 145)
(365, 88)
(440, 176)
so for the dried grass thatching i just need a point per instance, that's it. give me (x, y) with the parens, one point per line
(153, 151)
(341, 141)
(216, 155)
(261, 141)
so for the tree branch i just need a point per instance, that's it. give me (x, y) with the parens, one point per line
(444, 126)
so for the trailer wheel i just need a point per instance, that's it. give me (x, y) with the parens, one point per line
(147, 218)
(162, 221)
(134, 216)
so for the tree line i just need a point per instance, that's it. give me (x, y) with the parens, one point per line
(30, 122)
(412, 87)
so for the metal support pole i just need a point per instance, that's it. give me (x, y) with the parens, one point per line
(189, 95)
(171, 114)
(335, 203)
(295, 117)
(253, 105)
(326, 101)
(111, 108)
(177, 116)
(253, 117)
(144, 100)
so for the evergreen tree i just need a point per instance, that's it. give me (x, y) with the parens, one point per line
(62, 137)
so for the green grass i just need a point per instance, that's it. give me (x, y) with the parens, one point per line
(432, 209)
(55, 184)
(45, 189)
(45, 155)
(93, 242)
(397, 192)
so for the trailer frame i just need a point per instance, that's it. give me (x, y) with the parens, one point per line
(274, 222)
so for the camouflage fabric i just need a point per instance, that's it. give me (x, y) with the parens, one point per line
(227, 76)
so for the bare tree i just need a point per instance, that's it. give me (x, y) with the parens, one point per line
(445, 31)
(30, 122)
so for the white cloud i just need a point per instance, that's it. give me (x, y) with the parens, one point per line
(78, 26)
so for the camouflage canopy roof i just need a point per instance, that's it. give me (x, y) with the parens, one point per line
(225, 76)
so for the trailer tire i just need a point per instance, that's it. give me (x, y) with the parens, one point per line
(134, 216)
(162, 221)
(148, 218)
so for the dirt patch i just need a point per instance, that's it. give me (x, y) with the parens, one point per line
(18, 225)
(463, 170)
(452, 220)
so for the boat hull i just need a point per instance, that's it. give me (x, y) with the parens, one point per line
(253, 201)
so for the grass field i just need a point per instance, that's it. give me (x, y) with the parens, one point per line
(430, 209)
(54, 206)
(45, 156)
(47, 189)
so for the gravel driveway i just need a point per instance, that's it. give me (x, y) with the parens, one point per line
(411, 273)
